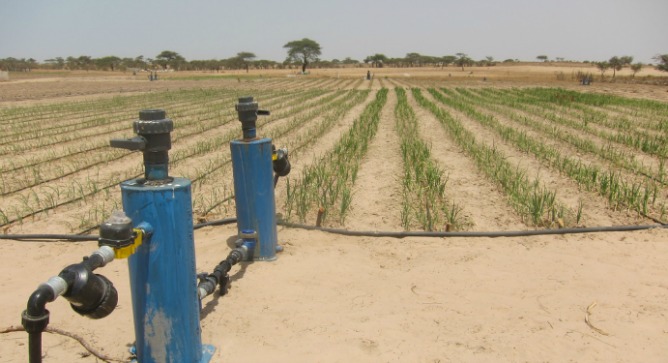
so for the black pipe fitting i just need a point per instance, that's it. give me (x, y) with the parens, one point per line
(35, 320)
(89, 294)
(37, 302)
(117, 231)
(154, 140)
(281, 163)
(248, 112)
(220, 275)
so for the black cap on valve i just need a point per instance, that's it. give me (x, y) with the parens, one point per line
(248, 112)
(153, 138)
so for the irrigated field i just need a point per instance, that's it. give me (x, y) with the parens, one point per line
(539, 157)
(389, 154)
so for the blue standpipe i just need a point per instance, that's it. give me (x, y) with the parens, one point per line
(254, 183)
(162, 270)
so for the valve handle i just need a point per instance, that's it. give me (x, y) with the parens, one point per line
(135, 143)
(263, 112)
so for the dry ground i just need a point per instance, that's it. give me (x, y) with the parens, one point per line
(331, 298)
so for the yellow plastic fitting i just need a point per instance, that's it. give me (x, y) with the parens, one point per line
(127, 251)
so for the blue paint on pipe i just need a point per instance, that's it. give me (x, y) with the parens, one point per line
(254, 193)
(162, 273)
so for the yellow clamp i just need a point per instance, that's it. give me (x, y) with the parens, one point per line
(274, 156)
(127, 251)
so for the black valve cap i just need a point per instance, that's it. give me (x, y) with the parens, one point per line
(153, 122)
(106, 303)
(116, 231)
(152, 115)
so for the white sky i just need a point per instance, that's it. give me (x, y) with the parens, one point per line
(205, 29)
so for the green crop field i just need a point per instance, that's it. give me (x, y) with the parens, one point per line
(555, 157)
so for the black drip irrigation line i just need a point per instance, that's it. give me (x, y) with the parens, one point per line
(47, 237)
(538, 232)
(346, 232)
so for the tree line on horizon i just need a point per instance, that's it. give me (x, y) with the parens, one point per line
(243, 60)
(301, 54)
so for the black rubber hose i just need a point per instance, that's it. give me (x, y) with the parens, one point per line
(35, 347)
(218, 222)
(42, 237)
(539, 232)
(345, 232)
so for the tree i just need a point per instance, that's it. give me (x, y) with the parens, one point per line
(616, 64)
(377, 60)
(349, 60)
(489, 61)
(463, 60)
(245, 58)
(110, 62)
(448, 59)
(84, 62)
(602, 66)
(662, 60)
(414, 59)
(169, 58)
(542, 58)
(304, 51)
(626, 60)
(635, 68)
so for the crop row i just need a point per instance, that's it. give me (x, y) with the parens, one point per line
(99, 152)
(51, 197)
(648, 136)
(423, 183)
(328, 183)
(533, 202)
(638, 196)
(566, 130)
(301, 135)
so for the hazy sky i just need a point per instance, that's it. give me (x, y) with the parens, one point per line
(207, 29)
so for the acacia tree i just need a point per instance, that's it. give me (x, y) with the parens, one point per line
(377, 60)
(602, 66)
(169, 58)
(448, 59)
(110, 62)
(635, 68)
(304, 51)
(463, 60)
(617, 63)
(245, 58)
(414, 59)
(662, 60)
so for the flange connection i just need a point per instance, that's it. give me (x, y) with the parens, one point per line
(153, 138)
(248, 112)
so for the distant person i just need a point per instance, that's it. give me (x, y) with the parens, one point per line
(368, 75)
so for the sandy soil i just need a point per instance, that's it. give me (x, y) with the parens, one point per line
(331, 298)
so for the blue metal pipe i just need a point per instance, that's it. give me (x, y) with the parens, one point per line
(162, 274)
(254, 193)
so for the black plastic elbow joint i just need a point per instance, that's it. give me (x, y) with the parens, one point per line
(35, 318)
(89, 294)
